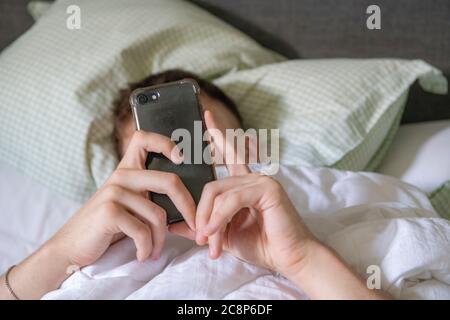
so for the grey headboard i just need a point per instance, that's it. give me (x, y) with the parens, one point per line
(324, 28)
(337, 28)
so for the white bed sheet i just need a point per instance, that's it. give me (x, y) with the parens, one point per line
(369, 219)
(30, 214)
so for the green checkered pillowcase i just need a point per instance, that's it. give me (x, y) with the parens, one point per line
(440, 199)
(330, 112)
(58, 85)
(334, 112)
(381, 135)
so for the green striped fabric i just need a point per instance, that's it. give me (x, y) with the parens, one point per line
(335, 112)
(376, 137)
(58, 85)
(440, 199)
(58, 88)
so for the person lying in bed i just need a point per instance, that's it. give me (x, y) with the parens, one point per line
(246, 214)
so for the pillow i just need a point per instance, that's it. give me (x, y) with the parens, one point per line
(57, 124)
(38, 8)
(58, 84)
(335, 112)
(440, 199)
(420, 155)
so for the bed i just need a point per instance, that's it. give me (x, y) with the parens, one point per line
(327, 30)
(419, 154)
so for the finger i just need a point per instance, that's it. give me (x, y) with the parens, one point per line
(215, 138)
(144, 142)
(138, 231)
(183, 230)
(225, 148)
(215, 242)
(207, 200)
(228, 204)
(216, 238)
(134, 202)
(209, 193)
(159, 182)
(150, 212)
(210, 121)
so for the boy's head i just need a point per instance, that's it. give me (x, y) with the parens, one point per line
(211, 98)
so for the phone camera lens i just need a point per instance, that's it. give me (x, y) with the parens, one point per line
(142, 98)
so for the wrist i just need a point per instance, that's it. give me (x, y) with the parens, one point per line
(303, 258)
(51, 251)
(323, 275)
(40, 273)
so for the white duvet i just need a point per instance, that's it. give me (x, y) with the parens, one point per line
(368, 219)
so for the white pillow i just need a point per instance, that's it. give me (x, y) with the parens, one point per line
(420, 155)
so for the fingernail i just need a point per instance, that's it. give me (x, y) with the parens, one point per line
(180, 156)
(176, 156)
(200, 239)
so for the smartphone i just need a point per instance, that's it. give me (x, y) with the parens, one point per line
(163, 109)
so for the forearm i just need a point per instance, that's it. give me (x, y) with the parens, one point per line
(323, 275)
(38, 274)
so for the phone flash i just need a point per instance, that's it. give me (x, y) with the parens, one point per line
(154, 97)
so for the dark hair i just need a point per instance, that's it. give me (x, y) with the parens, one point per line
(123, 109)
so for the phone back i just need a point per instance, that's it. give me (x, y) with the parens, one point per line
(166, 108)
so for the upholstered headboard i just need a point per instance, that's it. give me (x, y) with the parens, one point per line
(326, 28)
(337, 28)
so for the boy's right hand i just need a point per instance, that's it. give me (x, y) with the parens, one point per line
(121, 206)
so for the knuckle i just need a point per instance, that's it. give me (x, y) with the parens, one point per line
(117, 176)
(138, 136)
(173, 179)
(272, 184)
(143, 233)
(162, 216)
(219, 201)
(209, 188)
(113, 191)
(109, 210)
(167, 142)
